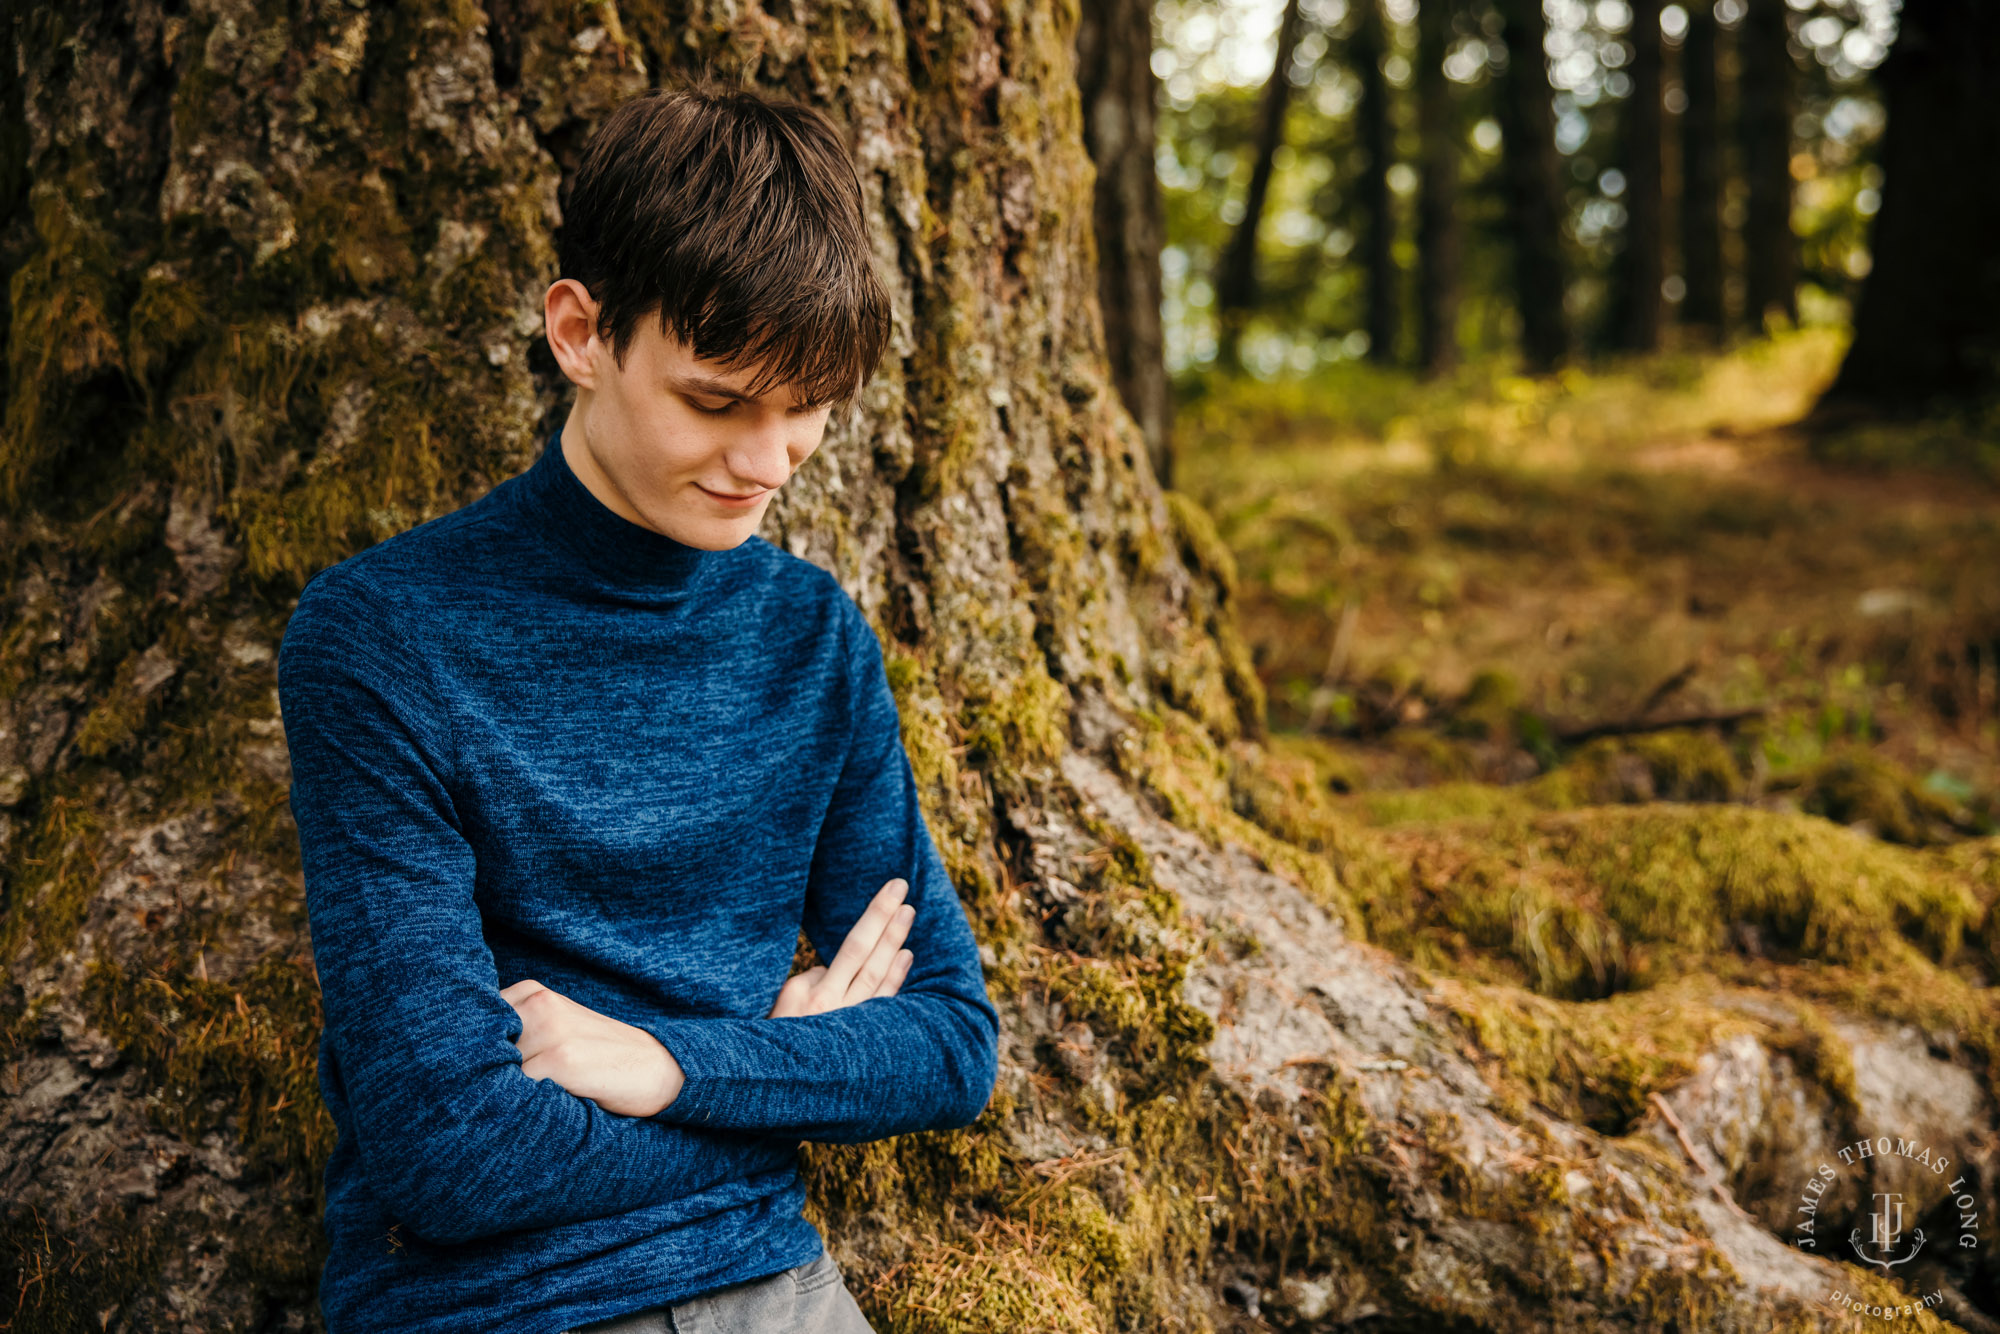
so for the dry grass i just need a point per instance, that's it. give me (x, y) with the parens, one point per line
(1527, 560)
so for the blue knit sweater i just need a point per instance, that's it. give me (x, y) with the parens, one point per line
(532, 739)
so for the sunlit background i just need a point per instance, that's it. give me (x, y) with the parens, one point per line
(1469, 552)
(1214, 59)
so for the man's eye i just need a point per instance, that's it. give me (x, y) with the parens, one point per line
(717, 411)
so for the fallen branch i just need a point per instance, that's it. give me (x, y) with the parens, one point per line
(1571, 736)
(1680, 1132)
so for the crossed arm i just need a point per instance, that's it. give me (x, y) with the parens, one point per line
(624, 1069)
(455, 1132)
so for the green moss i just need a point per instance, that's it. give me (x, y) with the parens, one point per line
(1214, 678)
(105, 1264)
(1677, 765)
(1490, 705)
(64, 304)
(1597, 1062)
(1005, 1276)
(237, 1059)
(55, 875)
(1175, 760)
(1823, 1058)
(1612, 898)
(1027, 724)
(116, 718)
(1201, 546)
(1859, 786)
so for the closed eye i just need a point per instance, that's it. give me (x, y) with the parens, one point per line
(702, 407)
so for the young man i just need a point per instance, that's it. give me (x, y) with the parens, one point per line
(574, 764)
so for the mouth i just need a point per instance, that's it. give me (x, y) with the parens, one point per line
(737, 502)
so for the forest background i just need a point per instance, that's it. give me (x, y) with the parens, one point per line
(1436, 559)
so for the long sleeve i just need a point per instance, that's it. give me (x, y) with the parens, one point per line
(925, 1058)
(453, 1137)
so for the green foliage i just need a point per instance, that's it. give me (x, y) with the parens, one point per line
(1310, 311)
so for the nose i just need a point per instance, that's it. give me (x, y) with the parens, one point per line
(762, 457)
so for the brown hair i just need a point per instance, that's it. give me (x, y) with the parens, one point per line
(738, 218)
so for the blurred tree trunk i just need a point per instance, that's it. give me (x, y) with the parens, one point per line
(1927, 326)
(1236, 279)
(1114, 46)
(1533, 175)
(1767, 103)
(1642, 264)
(276, 286)
(1377, 129)
(1701, 179)
(1440, 238)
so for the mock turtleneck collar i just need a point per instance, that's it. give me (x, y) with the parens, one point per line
(613, 554)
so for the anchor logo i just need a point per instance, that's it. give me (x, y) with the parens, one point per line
(1885, 1229)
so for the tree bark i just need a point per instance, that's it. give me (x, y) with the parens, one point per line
(1378, 144)
(276, 298)
(1642, 266)
(1440, 239)
(1701, 179)
(1114, 45)
(1767, 103)
(1533, 174)
(1236, 279)
(1927, 325)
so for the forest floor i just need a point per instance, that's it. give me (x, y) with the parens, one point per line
(1452, 589)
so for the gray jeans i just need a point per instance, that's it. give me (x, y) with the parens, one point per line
(811, 1298)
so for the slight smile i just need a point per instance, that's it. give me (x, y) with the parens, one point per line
(736, 502)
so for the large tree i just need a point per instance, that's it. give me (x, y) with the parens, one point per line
(1927, 326)
(1765, 106)
(276, 280)
(1701, 178)
(1440, 236)
(1114, 69)
(1236, 271)
(1367, 49)
(1642, 265)
(1532, 173)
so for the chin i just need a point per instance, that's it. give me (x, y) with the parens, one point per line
(722, 535)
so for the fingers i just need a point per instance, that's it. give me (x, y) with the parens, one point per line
(795, 997)
(898, 970)
(549, 1021)
(521, 990)
(862, 939)
(875, 969)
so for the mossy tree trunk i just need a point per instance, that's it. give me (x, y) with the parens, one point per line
(276, 275)
(1114, 56)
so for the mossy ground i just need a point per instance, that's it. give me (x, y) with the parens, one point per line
(1531, 560)
(1539, 580)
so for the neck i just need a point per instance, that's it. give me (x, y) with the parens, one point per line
(595, 534)
(584, 467)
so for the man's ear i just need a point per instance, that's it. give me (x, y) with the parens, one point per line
(569, 322)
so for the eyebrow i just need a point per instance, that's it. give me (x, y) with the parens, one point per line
(702, 384)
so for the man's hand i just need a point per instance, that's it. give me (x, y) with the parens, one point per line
(627, 1070)
(871, 961)
(621, 1068)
